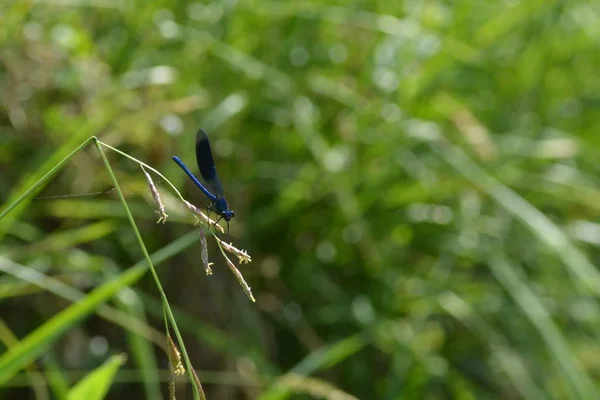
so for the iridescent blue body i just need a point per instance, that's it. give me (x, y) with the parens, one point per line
(206, 164)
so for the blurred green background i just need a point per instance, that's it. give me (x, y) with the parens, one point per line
(417, 183)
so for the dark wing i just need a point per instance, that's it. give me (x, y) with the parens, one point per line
(206, 164)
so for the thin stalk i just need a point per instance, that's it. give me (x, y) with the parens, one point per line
(198, 391)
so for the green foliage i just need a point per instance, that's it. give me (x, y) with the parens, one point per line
(34, 344)
(416, 182)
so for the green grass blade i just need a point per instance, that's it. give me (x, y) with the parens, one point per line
(33, 183)
(57, 380)
(62, 290)
(323, 358)
(34, 344)
(97, 383)
(503, 355)
(141, 349)
(581, 387)
(66, 239)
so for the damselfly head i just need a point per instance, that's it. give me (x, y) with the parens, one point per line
(223, 209)
(227, 215)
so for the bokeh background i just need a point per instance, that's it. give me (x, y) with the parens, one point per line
(417, 183)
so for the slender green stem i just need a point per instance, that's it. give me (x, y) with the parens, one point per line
(198, 391)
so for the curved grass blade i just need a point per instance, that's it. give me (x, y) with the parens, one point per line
(31, 184)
